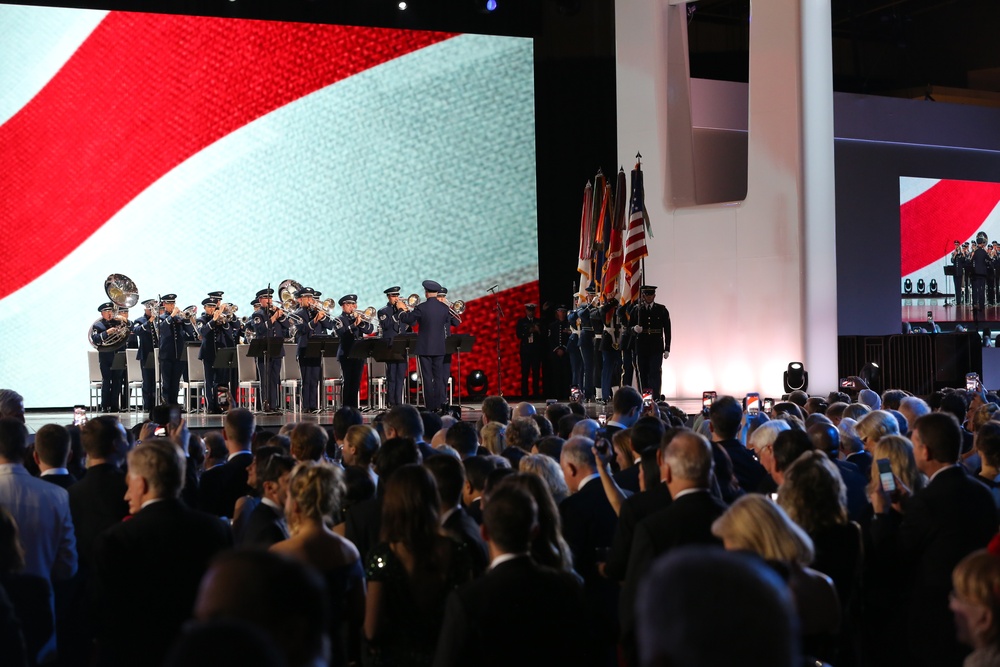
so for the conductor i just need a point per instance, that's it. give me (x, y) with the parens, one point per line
(433, 317)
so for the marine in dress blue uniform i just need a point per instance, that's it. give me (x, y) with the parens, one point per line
(349, 327)
(582, 316)
(395, 371)
(627, 344)
(432, 316)
(111, 380)
(216, 334)
(174, 330)
(557, 374)
(269, 322)
(652, 339)
(532, 348)
(611, 370)
(145, 331)
(315, 322)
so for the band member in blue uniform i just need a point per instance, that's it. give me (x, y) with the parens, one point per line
(102, 333)
(314, 323)
(174, 330)
(453, 322)
(395, 371)
(611, 370)
(349, 326)
(216, 334)
(145, 331)
(652, 339)
(529, 332)
(432, 317)
(269, 322)
(557, 373)
(582, 316)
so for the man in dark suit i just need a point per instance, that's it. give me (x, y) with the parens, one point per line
(434, 318)
(267, 525)
(929, 532)
(476, 629)
(404, 421)
(450, 477)
(51, 455)
(477, 469)
(222, 485)
(687, 469)
(148, 569)
(725, 417)
(645, 433)
(589, 527)
(626, 406)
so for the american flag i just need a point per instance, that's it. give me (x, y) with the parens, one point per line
(635, 239)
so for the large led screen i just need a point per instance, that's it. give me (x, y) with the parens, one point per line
(934, 215)
(195, 154)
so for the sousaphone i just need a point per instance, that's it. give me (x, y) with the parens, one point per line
(124, 294)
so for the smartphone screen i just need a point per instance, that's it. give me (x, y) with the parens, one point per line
(160, 432)
(846, 383)
(602, 419)
(707, 399)
(647, 400)
(768, 404)
(753, 403)
(885, 477)
(79, 415)
(971, 381)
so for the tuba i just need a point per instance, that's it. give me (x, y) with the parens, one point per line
(287, 290)
(122, 292)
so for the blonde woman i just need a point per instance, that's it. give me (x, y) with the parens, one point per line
(314, 494)
(899, 450)
(551, 473)
(975, 603)
(493, 437)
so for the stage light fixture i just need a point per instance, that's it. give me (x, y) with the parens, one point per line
(934, 288)
(476, 383)
(414, 377)
(907, 285)
(796, 377)
(921, 286)
(869, 374)
(402, 6)
(491, 5)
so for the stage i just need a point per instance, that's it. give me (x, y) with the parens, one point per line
(915, 312)
(200, 422)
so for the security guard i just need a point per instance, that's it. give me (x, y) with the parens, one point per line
(529, 332)
(558, 372)
(395, 371)
(314, 323)
(582, 316)
(652, 341)
(145, 331)
(433, 316)
(216, 334)
(174, 330)
(349, 327)
(101, 333)
(269, 322)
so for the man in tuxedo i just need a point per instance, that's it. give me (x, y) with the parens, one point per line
(589, 527)
(222, 485)
(725, 417)
(163, 551)
(267, 525)
(476, 629)
(450, 477)
(686, 469)
(52, 454)
(929, 532)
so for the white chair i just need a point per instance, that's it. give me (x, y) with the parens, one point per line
(333, 382)
(134, 370)
(291, 378)
(94, 366)
(377, 385)
(246, 373)
(194, 388)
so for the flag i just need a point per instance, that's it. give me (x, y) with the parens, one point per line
(615, 254)
(601, 225)
(586, 238)
(635, 238)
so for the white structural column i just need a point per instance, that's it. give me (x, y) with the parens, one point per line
(751, 285)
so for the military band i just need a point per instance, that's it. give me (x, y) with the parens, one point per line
(395, 371)
(349, 327)
(111, 327)
(217, 333)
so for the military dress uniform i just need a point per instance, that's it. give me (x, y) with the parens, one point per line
(111, 380)
(959, 264)
(582, 316)
(652, 341)
(611, 355)
(627, 344)
(432, 316)
(345, 328)
(980, 271)
(557, 375)
(395, 371)
(597, 323)
(573, 352)
(174, 333)
(311, 369)
(145, 331)
(529, 332)
(269, 369)
(215, 335)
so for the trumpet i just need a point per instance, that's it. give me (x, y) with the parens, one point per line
(368, 315)
(227, 312)
(410, 302)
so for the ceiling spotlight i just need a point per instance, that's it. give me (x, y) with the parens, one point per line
(402, 6)
(491, 5)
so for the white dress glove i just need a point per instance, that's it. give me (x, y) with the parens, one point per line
(637, 329)
(666, 355)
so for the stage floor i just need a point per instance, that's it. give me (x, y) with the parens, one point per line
(915, 312)
(471, 412)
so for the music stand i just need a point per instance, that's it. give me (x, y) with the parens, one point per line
(457, 344)
(268, 349)
(949, 270)
(401, 346)
(362, 349)
(318, 347)
(150, 363)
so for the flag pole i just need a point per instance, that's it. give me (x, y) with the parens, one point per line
(642, 260)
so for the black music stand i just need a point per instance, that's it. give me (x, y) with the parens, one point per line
(949, 270)
(457, 344)
(268, 349)
(402, 346)
(318, 347)
(362, 349)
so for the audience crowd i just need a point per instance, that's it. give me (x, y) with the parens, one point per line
(846, 530)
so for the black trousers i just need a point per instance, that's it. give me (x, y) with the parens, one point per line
(170, 379)
(111, 382)
(432, 373)
(312, 375)
(531, 365)
(352, 381)
(395, 382)
(650, 367)
(270, 389)
(148, 386)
